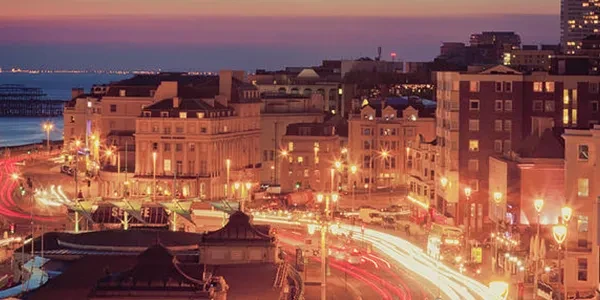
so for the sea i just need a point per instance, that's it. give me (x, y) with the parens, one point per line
(20, 131)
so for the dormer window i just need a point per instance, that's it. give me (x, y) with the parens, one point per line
(200, 115)
(412, 117)
(183, 115)
(370, 117)
(122, 93)
(147, 114)
(164, 114)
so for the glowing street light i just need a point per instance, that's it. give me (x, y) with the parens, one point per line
(338, 164)
(538, 204)
(444, 182)
(154, 174)
(353, 169)
(14, 176)
(284, 153)
(497, 197)
(468, 191)
(319, 198)
(567, 213)
(48, 126)
(334, 197)
(497, 200)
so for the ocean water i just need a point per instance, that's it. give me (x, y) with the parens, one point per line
(19, 131)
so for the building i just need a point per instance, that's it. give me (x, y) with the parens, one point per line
(311, 151)
(378, 134)
(500, 39)
(199, 144)
(420, 176)
(82, 118)
(483, 112)
(582, 189)
(534, 171)
(530, 59)
(590, 46)
(578, 20)
(277, 111)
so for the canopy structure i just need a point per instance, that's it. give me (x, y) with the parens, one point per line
(84, 208)
(228, 207)
(182, 208)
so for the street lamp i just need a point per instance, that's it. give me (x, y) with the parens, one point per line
(353, 170)
(538, 204)
(228, 165)
(48, 126)
(154, 175)
(567, 213)
(559, 231)
(468, 192)
(497, 200)
(319, 198)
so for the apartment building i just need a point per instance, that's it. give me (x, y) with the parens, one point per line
(484, 112)
(582, 189)
(420, 176)
(578, 20)
(378, 134)
(310, 153)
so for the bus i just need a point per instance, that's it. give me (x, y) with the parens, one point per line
(444, 242)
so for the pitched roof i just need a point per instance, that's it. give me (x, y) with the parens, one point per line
(238, 229)
(548, 145)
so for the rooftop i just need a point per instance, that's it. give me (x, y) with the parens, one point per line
(548, 145)
(310, 129)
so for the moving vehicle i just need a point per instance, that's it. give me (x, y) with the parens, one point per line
(370, 216)
(444, 241)
(355, 258)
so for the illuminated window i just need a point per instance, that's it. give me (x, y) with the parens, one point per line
(565, 96)
(474, 145)
(583, 187)
(566, 116)
(291, 146)
(550, 87)
(300, 159)
(574, 116)
(538, 86)
(167, 165)
(474, 86)
(183, 115)
(583, 152)
(473, 125)
(200, 115)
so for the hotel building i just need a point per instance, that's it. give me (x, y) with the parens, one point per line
(378, 135)
(481, 113)
(310, 156)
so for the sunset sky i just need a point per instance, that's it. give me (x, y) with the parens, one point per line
(211, 34)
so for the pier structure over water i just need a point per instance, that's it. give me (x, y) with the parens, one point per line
(17, 100)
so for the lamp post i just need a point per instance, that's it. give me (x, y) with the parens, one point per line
(444, 183)
(228, 165)
(353, 170)
(154, 175)
(559, 231)
(497, 200)
(566, 213)
(538, 204)
(48, 126)
(324, 229)
(468, 191)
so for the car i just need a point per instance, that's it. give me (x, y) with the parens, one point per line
(355, 258)
(389, 223)
(67, 170)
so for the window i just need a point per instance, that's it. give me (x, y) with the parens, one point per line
(583, 187)
(498, 146)
(474, 145)
(498, 105)
(507, 145)
(474, 184)
(474, 165)
(538, 87)
(203, 130)
(192, 147)
(167, 130)
(538, 105)
(112, 124)
(178, 147)
(154, 146)
(507, 105)
(179, 167)
(508, 87)
(508, 125)
(474, 86)
(291, 146)
(594, 106)
(167, 147)
(366, 145)
(178, 129)
(550, 87)
(549, 106)
(498, 86)
(498, 125)
(200, 115)
(300, 160)
(164, 114)
(191, 166)
(593, 88)
(366, 131)
(574, 116)
(122, 93)
(474, 105)
(183, 115)
(167, 165)
(367, 162)
(565, 96)
(566, 116)
(147, 114)
(473, 125)
(113, 108)
(155, 128)
(582, 269)
(584, 152)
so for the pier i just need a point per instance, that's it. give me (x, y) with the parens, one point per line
(19, 101)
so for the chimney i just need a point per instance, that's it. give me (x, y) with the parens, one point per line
(226, 78)
(176, 102)
(76, 92)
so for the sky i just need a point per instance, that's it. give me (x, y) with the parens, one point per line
(248, 34)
